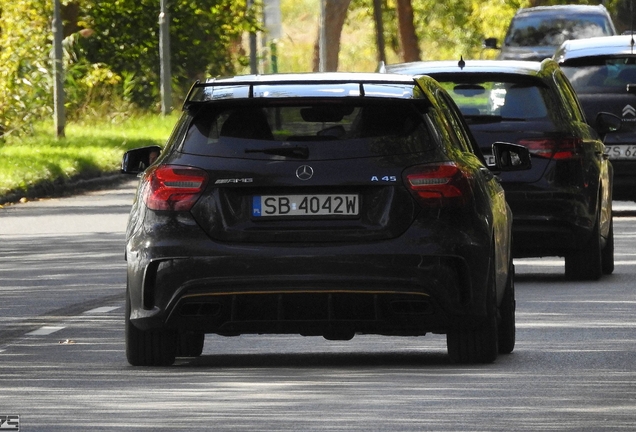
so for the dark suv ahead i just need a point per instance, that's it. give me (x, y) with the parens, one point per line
(536, 32)
(321, 205)
(563, 205)
(603, 73)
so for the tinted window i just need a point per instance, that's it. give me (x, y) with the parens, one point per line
(542, 30)
(340, 129)
(601, 74)
(510, 100)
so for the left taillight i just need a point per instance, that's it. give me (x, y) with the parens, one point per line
(555, 148)
(170, 187)
(437, 184)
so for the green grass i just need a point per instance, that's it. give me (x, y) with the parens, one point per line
(88, 150)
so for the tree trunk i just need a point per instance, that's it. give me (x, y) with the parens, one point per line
(335, 14)
(379, 30)
(408, 38)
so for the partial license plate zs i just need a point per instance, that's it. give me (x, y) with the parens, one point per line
(620, 151)
(306, 205)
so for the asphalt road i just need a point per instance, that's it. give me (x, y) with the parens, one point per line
(62, 362)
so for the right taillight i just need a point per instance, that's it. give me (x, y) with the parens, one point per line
(170, 187)
(554, 148)
(436, 184)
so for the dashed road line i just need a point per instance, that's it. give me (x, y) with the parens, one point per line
(45, 330)
(103, 309)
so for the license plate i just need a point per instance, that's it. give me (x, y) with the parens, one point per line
(306, 205)
(621, 151)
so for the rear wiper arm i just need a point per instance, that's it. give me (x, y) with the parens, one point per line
(472, 119)
(295, 152)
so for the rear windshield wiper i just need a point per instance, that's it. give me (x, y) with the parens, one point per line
(472, 119)
(295, 152)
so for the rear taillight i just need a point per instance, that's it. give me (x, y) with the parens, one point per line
(172, 187)
(555, 148)
(436, 184)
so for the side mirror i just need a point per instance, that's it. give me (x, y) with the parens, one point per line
(511, 157)
(137, 160)
(606, 122)
(490, 43)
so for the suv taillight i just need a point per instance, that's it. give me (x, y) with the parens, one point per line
(555, 148)
(436, 184)
(171, 187)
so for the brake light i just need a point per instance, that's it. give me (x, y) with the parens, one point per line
(435, 184)
(555, 148)
(173, 187)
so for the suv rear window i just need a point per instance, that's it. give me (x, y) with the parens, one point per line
(601, 74)
(342, 129)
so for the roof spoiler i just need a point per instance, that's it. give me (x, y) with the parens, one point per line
(197, 93)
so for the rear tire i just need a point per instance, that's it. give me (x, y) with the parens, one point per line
(585, 264)
(507, 326)
(148, 347)
(479, 344)
(607, 255)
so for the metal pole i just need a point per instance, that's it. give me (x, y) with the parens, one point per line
(253, 46)
(58, 68)
(379, 30)
(164, 59)
(322, 41)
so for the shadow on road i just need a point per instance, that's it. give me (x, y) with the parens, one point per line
(327, 360)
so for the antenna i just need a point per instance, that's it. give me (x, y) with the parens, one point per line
(461, 63)
(631, 13)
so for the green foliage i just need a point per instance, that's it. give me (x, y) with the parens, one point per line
(111, 55)
(94, 90)
(25, 81)
(203, 36)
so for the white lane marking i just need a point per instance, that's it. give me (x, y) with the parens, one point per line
(44, 330)
(103, 309)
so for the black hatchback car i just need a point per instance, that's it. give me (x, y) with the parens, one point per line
(603, 73)
(320, 205)
(563, 205)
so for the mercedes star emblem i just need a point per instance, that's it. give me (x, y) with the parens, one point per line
(304, 172)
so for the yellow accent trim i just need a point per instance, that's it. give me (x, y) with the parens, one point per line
(305, 292)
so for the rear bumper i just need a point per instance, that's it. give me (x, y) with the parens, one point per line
(624, 179)
(549, 223)
(391, 287)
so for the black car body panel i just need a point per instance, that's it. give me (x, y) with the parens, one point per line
(559, 202)
(319, 224)
(535, 33)
(603, 73)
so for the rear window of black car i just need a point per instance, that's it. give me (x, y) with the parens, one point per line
(496, 98)
(600, 74)
(327, 130)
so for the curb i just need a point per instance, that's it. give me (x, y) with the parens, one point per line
(60, 188)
